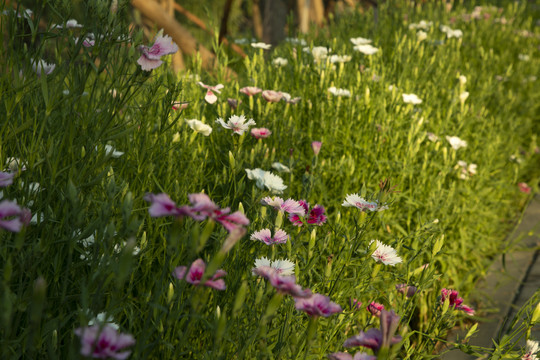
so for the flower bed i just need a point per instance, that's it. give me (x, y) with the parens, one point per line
(336, 194)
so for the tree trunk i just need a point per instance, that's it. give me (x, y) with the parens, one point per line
(274, 21)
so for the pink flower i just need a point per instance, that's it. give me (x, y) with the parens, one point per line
(6, 178)
(288, 285)
(150, 56)
(455, 301)
(202, 204)
(210, 97)
(407, 290)
(280, 237)
(375, 308)
(264, 271)
(524, 188)
(316, 146)
(376, 339)
(260, 133)
(317, 305)
(230, 221)
(250, 90)
(347, 356)
(17, 216)
(162, 205)
(104, 342)
(195, 275)
(179, 105)
(272, 96)
(289, 206)
(316, 216)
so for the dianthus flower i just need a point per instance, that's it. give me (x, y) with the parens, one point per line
(195, 275)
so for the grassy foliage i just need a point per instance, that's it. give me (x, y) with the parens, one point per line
(54, 279)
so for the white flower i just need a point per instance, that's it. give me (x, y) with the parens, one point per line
(432, 137)
(266, 179)
(261, 45)
(456, 143)
(421, 35)
(274, 183)
(319, 52)
(14, 164)
(102, 319)
(281, 168)
(42, 67)
(524, 57)
(359, 202)
(531, 350)
(339, 58)
(423, 25)
(366, 49)
(463, 96)
(462, 79)
(199, 126)
(465, 171)
(392, 87)
(237, 124)
(411, 99)
(339, 92)
(385, 254)
(279, 61)
(109, 150)
(282, 267)
(450, 33)
(360, 41)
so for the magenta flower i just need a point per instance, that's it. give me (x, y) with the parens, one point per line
(260, 133)
(288, 285)
(317, 305)
(347, 356)
(250, 90)
(104, 342)
(280, 237)
(272, 96)
(524, 188)
(375, 308)
(195, 275)
(162, 205)
(316, 146)
(210, 97)
(407, 290)
(315, 216)
(6, 178)
(151, 56)
(289, 206)
(456, 302)
(12, 216)
(376, 339)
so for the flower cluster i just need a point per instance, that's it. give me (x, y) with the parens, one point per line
(201, 208)
(195, 274)
(12, 216)
(455, 301)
